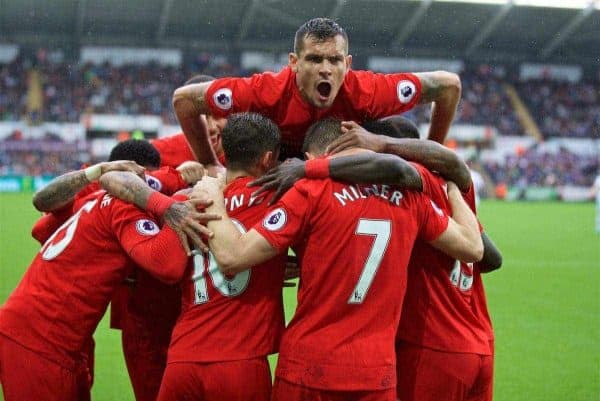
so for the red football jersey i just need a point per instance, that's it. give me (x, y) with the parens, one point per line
(353, 243)
(440, 306)
(363, 96)
(166, 180)
(57, 305)
(174, 150)
(230, 318)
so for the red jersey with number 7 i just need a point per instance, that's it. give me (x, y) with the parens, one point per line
(57, 305)
(231, 318)
(353, 242)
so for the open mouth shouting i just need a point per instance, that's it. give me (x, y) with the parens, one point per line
(324, 90)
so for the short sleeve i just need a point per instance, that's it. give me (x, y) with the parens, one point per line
(256, 93)
(284, 224)
(433, 220)
(386, 94)
(166, 180)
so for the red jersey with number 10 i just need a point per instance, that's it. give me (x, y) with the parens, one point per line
(231, 318)
(353, 243)
(364, 95)
(443, 303)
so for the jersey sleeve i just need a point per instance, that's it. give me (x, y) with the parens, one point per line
(285, 223)
(156, 250)
(433, 220)
(166, 180)
(385, 94)
(257, 93)
(50, 222)
(430, 180)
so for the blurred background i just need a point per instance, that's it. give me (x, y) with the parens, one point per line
(76, 76)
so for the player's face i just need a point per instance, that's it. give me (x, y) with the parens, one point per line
(320, 69)
(215, 127)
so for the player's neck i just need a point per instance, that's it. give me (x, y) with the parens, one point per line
(235, 174)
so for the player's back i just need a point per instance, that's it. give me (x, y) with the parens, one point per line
(444, 307)
(230, 318)
(354, 246)
(67, 287)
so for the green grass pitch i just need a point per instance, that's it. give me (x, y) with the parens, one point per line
(545, 301)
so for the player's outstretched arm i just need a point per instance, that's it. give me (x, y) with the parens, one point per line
(462, 239)
(234, 251)
(431, 154)
(443, 89)
(363, 167)
(61, 190)
(190, 106)
(492, 258)
(182, 217)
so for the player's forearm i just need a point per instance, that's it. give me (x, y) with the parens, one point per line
(443, 89)
(60, 191)
(226, 244)
(128, 187)
(189, 105)
(492, 258)
(374, 168)
(434, 157)
(468, 225)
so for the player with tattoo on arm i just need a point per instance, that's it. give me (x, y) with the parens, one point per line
(445, 339)
(143, 308)
(354, 242)
(318, 83)
(50, 316)
(230, 323)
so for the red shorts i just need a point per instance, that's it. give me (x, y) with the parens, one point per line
(425, 374)
(287, 391)
(26, 376)
(247, 380)
(145, 346)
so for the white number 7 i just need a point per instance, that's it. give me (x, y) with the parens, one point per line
(381, 229)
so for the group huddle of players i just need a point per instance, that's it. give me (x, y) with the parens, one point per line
(193, 258)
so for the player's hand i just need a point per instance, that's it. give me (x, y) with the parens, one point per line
(122, 165)
(191, 171)
(292, 271)
(280, 179)
(209, 188)
(185, 219)
(355, 136)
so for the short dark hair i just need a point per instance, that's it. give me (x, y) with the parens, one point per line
(138, 150)
(393, 126)
(198, 79)
(319, 29)
(321, 134)
(247, 137)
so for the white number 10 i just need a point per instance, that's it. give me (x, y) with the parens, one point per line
(381, 230)
(228, 287)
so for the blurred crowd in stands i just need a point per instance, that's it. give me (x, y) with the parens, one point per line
(69, 90)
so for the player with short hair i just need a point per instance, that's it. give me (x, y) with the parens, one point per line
(143, 308)
(49, 317)
(317, 83)
(230, 323)
(445, 339)
(175, 150)
(353, 242)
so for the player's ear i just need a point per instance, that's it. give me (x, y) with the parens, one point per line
(348, 62)
(268, 160)
(293, 61)
(309, 156)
